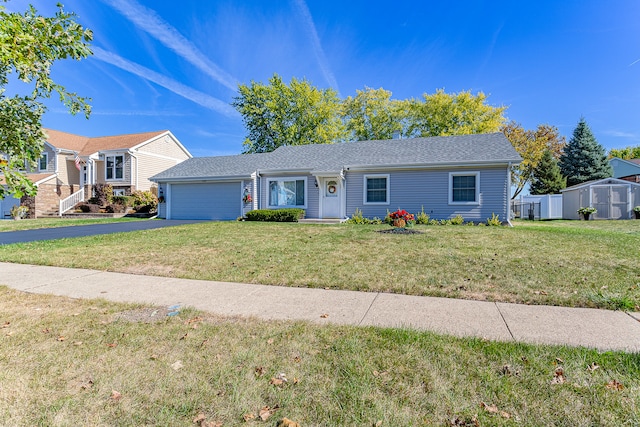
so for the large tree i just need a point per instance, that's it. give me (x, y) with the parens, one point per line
(277, 114)
(547, 178)
(372, 114)
(584, 159)
(29, 45)
(531, 145)
(627, 153)
(442, 114)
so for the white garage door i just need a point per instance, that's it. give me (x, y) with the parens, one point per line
(220, 201)
(5, 206)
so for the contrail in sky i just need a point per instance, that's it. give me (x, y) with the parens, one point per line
(150, 22)
(315, 42)
(178, 88)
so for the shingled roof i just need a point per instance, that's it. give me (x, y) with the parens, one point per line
(86, 146)
(428, 152)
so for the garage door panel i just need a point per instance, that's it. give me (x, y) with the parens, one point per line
(219, 201)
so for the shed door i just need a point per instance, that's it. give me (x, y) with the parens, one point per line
(611, 201)
(217, 201)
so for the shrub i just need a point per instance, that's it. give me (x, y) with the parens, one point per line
(457, 220)
(19, 211)
(144, 201)
(88, 207)
(357, 218)
(445, 222)
(434, 222)
(103, 194)
(115, 208)
(494, 220)
(422, 217)
(127, 201)
(276, 215)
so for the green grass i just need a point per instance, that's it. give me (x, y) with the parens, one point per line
(61, 360)
(573, 263)
(31, 224)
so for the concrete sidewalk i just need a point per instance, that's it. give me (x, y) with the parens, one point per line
(601, 329)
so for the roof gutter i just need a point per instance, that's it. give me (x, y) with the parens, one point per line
(199, 178)
(431, 165)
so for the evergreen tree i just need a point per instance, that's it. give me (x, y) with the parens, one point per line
(547, 178)
(583, 158)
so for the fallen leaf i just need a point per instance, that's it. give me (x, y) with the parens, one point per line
(248, 417)
(87, 384)
(286, 422)
(265, 413)
(6, 325)
(46, 331)
(295, 380)
(177, 365)
(614, 385)
(559, 361)
(205, 342)
(270, 341)
(112, 345)
(77, 343)
(558, 376)
(276, 381)
(504, 414)
(115, 395)
(184, 337)
(324, 316)
(153, 357)
(193, 320)
(61, 338)
(297, 359)
(593, 367)
(259, 371)
(199, 419)
(492, 409)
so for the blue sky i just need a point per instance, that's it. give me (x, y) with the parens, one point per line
(176, 65)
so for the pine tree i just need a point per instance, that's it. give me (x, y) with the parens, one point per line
(583, 158)
(547, 178)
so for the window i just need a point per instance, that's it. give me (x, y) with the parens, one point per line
(287, 192)
(376, 189)
(118, 192)
(464, 188)
(42, 163)
(115, 167)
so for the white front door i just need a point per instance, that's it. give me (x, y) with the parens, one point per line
(331, 198)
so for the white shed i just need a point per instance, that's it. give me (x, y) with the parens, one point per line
(613, 199)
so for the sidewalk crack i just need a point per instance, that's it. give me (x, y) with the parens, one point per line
(505, 321)
(369, 309)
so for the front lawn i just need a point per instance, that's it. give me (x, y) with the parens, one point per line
(575, 263)
(73, 362)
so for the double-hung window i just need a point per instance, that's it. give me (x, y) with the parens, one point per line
(43, 161)
(376, 189)
(115, 167)
(464, 188)
(287, 192)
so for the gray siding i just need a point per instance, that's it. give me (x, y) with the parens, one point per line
(216, 201)
(413, 189)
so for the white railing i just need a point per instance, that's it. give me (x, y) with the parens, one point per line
(71, 201)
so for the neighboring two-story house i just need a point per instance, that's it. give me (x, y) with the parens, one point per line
(71, 165)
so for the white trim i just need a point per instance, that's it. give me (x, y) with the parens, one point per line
(271, 179)
(166, 133)
(106, 157)
(159, 156)
(464, 173)
(364, 189)
(448, 165)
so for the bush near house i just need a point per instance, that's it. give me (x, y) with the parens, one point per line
(144, 201)
(276, 215)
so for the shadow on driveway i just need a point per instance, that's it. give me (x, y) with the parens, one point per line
(25, 236)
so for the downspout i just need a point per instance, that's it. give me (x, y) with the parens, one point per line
(137, 168)
(257, 199)
(509, 195)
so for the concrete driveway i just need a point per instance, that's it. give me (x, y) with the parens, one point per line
(25, 236)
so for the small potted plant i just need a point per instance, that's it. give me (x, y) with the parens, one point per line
(402, 218)
(636, 211)
(586, 212)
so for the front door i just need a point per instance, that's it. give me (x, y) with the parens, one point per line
(331, 198)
